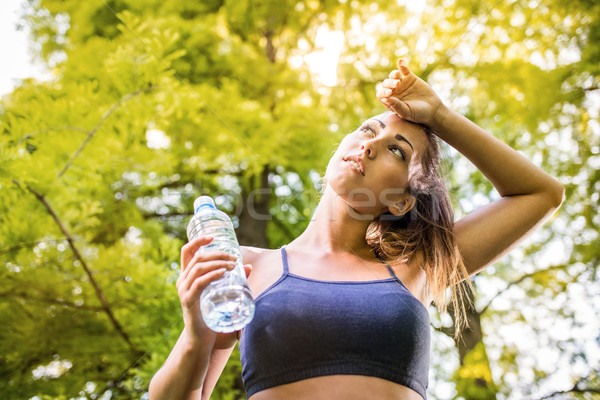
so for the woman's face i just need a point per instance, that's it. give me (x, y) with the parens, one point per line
(371, 167)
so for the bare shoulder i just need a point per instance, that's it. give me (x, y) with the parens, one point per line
(266, 267)
(412, 274)
(252, 255)
(258, 256)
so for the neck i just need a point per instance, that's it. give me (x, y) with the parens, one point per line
(335, 227)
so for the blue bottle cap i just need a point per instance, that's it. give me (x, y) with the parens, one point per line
(203, 201)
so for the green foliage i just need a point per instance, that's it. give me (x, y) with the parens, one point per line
(88, 194)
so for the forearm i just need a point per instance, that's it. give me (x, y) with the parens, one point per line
(183, 373)
(509, 172)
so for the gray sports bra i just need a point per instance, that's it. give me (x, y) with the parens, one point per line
(305, 328)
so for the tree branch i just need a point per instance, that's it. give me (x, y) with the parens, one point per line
(28, 244)
(70, 304)
(574, 389)
(55, 128)
(186, 214)
(59, 302)
(105, 306)
(517, 281)
(93, 131)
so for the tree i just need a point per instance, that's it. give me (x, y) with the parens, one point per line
(157, 102)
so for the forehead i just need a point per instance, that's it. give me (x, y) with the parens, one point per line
(414, 133)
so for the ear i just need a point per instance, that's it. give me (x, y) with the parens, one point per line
(402, 207)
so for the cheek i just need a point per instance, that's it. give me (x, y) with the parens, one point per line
(344, 148)
(330, 167)
(392, 183)
(394, 173)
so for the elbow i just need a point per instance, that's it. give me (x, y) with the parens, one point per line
(155, 389)
(557, 194)
(152, 389)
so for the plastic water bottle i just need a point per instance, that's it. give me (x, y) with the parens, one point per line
(226, 304)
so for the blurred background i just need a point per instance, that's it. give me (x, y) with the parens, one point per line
(126, 110)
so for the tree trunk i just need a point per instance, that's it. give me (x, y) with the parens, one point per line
(252, 230)
(473, 377)
(270, 48)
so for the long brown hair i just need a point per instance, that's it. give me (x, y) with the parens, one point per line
(426, 232)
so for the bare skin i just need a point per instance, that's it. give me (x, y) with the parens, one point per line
(333, 247)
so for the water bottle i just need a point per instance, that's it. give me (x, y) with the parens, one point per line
(226, 304)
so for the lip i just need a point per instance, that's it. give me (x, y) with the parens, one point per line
(357, 159)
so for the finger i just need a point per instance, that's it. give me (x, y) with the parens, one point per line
(208, 256)
(403, 67)
(382, 93)
(202, 267)
(395, 74)
(247, 269)
(199, 272)
(192, 295)
(386, 105)
(399, 107)
(189, 249)
(390, 83)
(195, 271)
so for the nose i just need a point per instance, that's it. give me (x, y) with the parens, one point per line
(368, 148)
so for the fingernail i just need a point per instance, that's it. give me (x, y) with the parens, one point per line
(387, 92)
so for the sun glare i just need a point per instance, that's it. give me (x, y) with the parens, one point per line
(323, 62)
(414, 6)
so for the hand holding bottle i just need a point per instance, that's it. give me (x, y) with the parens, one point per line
(198, 270)
(226, 303)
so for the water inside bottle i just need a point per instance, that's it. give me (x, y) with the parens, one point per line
(227, 308)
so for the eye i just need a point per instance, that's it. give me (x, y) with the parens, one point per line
(398, 151)
(367, 129)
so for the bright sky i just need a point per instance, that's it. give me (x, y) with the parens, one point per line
(17, 63)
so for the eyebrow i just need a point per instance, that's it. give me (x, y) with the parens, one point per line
(402, 138)
(398, 136)
(380, 122)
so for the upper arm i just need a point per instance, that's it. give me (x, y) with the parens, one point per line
(218, 358)
(491, 231)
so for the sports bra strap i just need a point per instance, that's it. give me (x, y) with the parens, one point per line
(391, 271)
(286, 269)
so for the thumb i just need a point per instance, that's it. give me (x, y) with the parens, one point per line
(404, 70)
(399, 107)
(248, 269)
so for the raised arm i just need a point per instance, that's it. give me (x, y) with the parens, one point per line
(529, 195)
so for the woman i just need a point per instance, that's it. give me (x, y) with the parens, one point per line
(341, 311)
